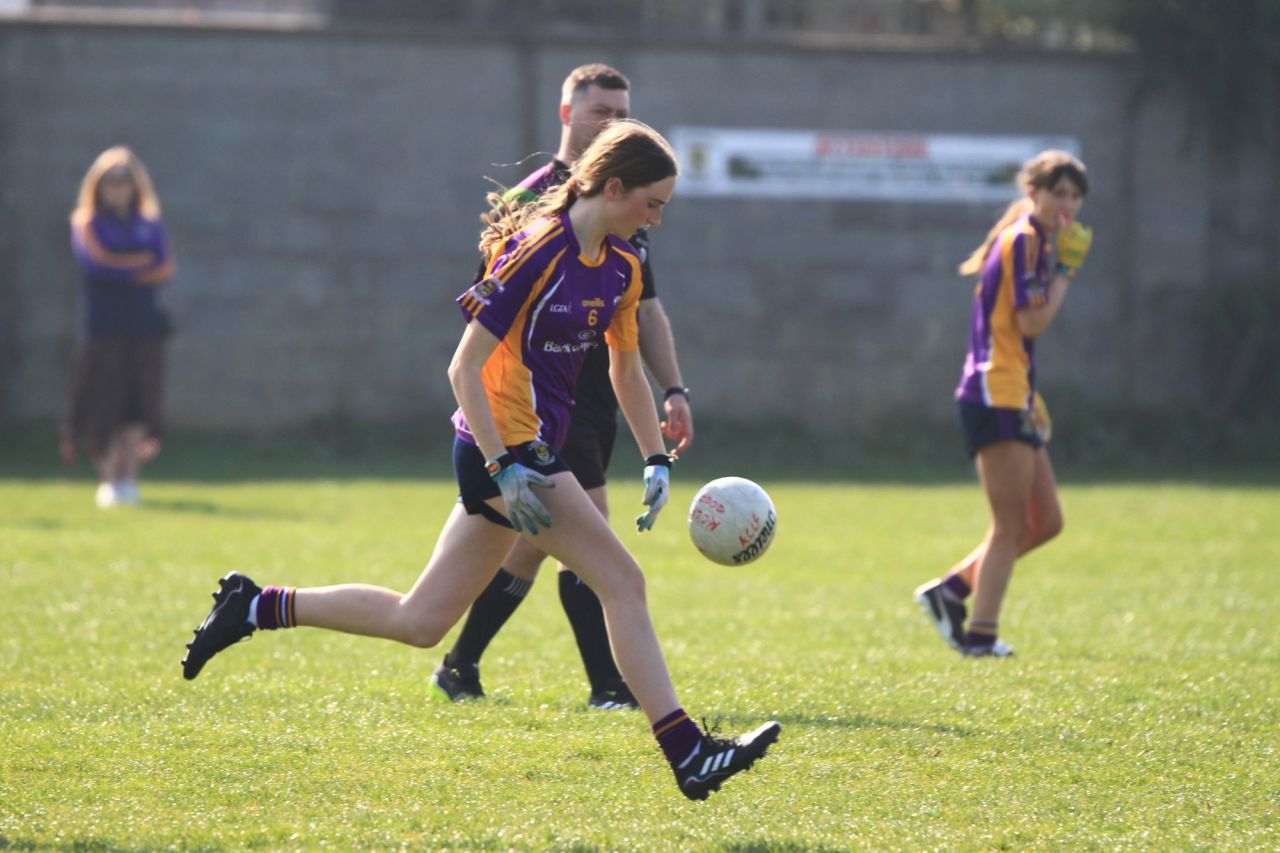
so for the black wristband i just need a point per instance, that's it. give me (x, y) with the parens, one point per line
(663, 459)
(674, 390)
(500, 463)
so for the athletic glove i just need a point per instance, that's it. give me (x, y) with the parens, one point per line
(657, 488)
(1073, 245)
(516, 482)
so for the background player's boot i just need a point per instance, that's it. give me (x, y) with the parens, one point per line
(613, 696)
(716, 760)
(226, 624)
(459, 682)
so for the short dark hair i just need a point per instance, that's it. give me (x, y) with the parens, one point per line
(592, 74)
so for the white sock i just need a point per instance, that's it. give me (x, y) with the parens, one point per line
(253, 611)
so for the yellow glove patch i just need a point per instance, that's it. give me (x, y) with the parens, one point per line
(1040, 420)
(1073, 245)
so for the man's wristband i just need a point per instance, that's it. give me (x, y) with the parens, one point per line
(500, 463)
(674, 390)
(663, 459)
(1063, 269)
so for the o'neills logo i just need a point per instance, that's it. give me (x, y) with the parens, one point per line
(593, 303)
(757, 546)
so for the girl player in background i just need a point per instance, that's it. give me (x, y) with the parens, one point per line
(559, 281)
(1022, 284)
(116, 410)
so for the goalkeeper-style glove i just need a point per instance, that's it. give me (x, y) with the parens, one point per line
(657, 488)
(1072, 246)
(515, 481)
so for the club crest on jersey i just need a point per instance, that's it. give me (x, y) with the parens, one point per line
(485, 288)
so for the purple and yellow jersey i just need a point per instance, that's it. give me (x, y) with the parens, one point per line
(594, 397)
(549, 306)
(999, 369)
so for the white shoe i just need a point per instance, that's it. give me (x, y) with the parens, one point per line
(127, 492)
(106, 496)
(1001, 649)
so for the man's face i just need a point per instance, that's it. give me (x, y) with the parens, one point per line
(590, 111)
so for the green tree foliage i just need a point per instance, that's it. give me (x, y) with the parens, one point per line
(1223, 54)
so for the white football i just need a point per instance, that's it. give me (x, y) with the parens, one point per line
(732, 521)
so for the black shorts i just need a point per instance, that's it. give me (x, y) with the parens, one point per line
(985, 425)
(475, 486)
(588, 448)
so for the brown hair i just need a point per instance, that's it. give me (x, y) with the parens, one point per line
(116, 159)
(594, 74)
(1041, 172)
(627, 149)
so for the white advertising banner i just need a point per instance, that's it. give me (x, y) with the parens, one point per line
(935, 167)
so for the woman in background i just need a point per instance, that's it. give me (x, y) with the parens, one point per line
(117, 383)
(1022, 284)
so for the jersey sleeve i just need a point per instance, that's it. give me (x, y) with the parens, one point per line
(623, 333)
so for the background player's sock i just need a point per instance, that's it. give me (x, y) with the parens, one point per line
(586, 617)
(489, 612)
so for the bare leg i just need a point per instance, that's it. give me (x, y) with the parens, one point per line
(466, 557)
(600, 497)
(129, 459)
(582, 540)
(526, 557)
(1007, 470)
(1044, 519)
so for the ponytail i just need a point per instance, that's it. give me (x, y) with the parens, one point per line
(972, 265)
(508, 217)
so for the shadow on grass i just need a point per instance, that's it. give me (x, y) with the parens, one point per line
(32, 524)
(731, 723)
(190, 507)
(778, 847)
(92, 845)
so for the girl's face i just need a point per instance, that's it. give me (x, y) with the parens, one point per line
(1057, 206)
(116, 190)
(639, 207)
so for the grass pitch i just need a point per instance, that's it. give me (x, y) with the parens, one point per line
(1140, 712)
